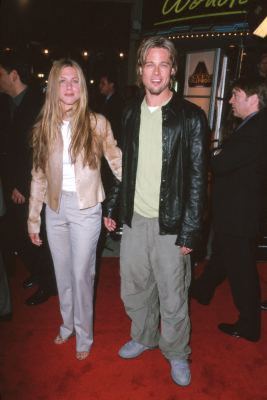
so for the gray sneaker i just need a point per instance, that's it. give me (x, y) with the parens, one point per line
(180, 372)
(132, 349)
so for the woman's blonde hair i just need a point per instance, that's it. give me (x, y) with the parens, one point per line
(47, 127)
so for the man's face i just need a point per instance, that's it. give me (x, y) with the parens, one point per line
(69, 87)
(105, 87)
(157, 71)
(242, 104)
(6, 81)
(263, 67)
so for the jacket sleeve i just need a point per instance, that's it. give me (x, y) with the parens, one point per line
(112, 152)
(37, 195)
(113, 156)
(196, 185)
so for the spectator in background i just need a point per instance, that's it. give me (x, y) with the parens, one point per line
(262, 70)
(4, 138)
(236, 195)
(5, 300)
(262, 66)
(111, 107)
(130, 93)
(112, 102)
(24, 103)
(68, 143)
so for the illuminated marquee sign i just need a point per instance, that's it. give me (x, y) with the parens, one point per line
(172, 12)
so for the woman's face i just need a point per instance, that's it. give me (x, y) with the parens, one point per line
(69, 87)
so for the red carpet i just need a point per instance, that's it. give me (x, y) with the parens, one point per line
(33, 368)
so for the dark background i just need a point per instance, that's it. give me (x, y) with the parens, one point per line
(67, 28)
(65, 23)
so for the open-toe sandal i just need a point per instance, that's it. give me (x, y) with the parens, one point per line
(60, 340)
(82, 355)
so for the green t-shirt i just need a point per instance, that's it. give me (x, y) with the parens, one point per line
(148, 178)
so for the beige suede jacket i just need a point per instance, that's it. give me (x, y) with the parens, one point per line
(47, 187)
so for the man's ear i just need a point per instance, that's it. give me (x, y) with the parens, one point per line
(173, 72)
(254, 99)
(14, 75)
(140, 71)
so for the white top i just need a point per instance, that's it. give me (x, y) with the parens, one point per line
(68, 182)
(152, 109)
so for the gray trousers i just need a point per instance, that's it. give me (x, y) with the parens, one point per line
(155, 278)
(5, 302)
(72, 235)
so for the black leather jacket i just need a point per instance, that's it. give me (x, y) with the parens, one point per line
(184, 169)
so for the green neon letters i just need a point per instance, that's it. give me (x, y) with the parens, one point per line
(178, 6)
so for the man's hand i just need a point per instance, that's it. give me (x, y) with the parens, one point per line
(35, 239)
(185, 250)
(17, 197)
(110, 224)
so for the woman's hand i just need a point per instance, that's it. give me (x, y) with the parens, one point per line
(185, 250)
(110, 224)
(35, 239)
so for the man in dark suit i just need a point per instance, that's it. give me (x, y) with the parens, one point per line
(238, 175)
(111, 108)
(24, 104)
(112, 105)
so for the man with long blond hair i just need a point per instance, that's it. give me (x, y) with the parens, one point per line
(68, 142)
(161, 200)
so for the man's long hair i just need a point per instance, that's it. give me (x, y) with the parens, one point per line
(47, 128)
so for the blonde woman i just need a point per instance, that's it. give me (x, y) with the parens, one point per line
(68, 142)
